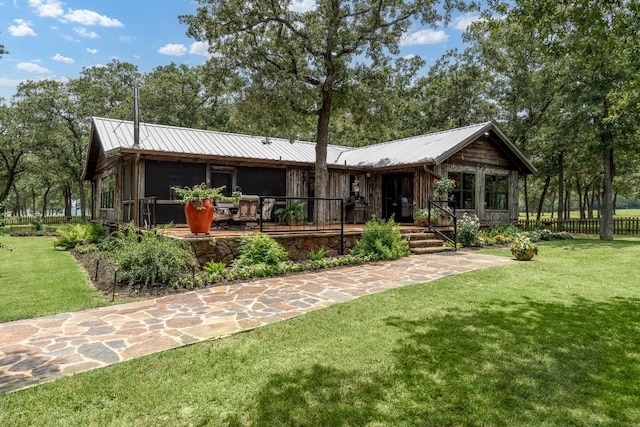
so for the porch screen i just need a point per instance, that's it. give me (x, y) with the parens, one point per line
(464, 195)
(496, 191)
(161, 176)
(262, 181)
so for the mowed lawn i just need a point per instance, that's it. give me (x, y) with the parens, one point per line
(37, 279)
(552, 342)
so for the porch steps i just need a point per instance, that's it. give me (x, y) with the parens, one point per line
(422, 243)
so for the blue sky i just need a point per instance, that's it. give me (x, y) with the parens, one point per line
(55, 39)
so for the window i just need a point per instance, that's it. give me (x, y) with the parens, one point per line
(464, 195)
(107, 192)
(496, 192)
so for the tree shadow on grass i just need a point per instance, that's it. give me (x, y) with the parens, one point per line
(521, 364)
(565, 364)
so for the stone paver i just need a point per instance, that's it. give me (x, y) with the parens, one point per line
(33, 351)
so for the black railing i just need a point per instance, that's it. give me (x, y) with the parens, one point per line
(446, 218)
(302, 214)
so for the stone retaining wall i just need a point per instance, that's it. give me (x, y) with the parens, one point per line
(225, 249)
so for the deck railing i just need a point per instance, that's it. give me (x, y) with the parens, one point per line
(621, 226)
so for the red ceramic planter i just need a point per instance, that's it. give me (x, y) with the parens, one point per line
(199, 220)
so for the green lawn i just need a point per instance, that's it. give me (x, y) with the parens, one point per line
(37, 279)
(555, 341)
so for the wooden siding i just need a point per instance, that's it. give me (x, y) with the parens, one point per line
(481, 152)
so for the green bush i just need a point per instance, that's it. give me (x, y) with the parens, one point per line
(71, 235)
(469, 230)
(37, 222)
(147, 257)
(216, 270)
(259, 249)
(318, 254)
(381, 240)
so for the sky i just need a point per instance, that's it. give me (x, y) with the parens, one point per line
(56, 39)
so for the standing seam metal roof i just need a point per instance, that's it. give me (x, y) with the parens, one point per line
(431, 148)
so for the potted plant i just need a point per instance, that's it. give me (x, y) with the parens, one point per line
(291, 214)
(235, 197)
(198, 205)
(523, 249)
(442, 187)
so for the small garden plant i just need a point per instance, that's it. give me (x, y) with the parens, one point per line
(469, 230)
(381, 240)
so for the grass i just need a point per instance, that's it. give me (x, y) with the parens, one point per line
(555, 341)
(37, 279)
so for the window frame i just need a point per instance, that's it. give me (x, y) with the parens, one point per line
(493, 192)
(464, 189)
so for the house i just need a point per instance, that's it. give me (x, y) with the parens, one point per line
(394, 178)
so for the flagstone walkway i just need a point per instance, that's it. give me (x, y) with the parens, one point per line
(33, 351)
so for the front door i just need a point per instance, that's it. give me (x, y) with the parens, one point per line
(397, 197)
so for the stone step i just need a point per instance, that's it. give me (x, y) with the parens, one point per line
(425, 243)
(419, 236)
(430, 250)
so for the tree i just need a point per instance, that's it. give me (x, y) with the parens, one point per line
(178, 95)
(310, 57)
(2, 50)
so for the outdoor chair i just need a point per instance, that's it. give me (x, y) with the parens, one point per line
(267, 209)
(247, 209)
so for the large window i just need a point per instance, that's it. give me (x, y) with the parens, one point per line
(107, 192)
(496, 192)
(464, 195)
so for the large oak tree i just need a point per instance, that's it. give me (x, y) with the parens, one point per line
(310, 58)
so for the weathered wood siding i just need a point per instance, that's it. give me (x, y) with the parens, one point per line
(483, 158)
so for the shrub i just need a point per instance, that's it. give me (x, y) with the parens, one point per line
(37, 222)
(71, 235)
(216, 270)
(147, 257)
(318, 254)
(260, 249)
(381, 240)
(506, 230)
(469, 230)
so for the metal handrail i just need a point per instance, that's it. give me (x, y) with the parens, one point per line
(440, 206)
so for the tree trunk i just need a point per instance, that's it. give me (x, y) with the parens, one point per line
(322, 140)
(581, 204)
(545, 190)
(606, 221)
(67, 201)
(83, 202)
(45, 200)
(526, 199)
(560, 190)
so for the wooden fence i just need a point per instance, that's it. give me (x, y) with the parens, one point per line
(47, 219)
(621, 226)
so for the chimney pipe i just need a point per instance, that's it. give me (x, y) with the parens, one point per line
(136, 117)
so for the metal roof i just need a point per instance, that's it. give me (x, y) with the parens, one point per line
(115, 135)
(430, 148)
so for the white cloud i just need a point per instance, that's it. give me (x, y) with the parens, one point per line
(409, 56)
(302, 6)
(125, 38)
(82, 32)
(22, 29)
(47, 8)
(60, 58)
(200, 48)
(173, 49)
(31, 67)
(92, 51)
(89, 17)
(424, 37)
(462, 22)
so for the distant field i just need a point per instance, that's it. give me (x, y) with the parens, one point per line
(620, 213)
